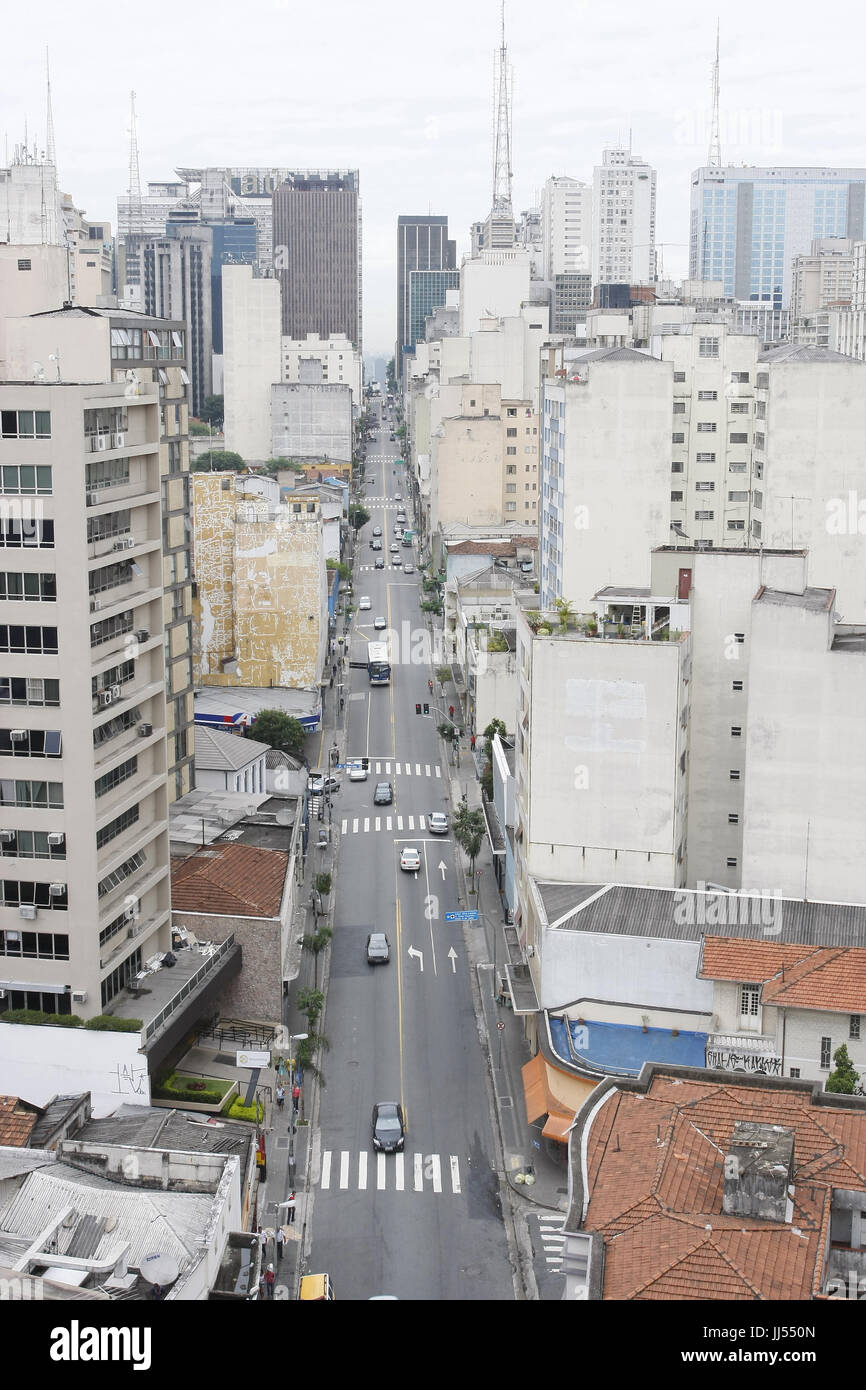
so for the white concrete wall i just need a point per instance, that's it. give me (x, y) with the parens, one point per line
(496, 282)
(657, 972)
(312, 420)
(38, 1063)
(44, 286)
(251, 359)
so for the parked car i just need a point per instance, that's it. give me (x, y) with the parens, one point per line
(357, 771)
(384, 794)
(379, 624)
(320, 783)
(389, 1130)
(364, 604)
(437, 823)
(410, 859)
(378, 948)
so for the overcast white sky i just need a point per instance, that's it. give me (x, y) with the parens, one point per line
(403, 92)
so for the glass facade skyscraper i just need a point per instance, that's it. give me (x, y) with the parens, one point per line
(748, 224)
(427, 291)
(422, 244)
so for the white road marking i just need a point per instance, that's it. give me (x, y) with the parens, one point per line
(378, 823)
(366, 824)
(399, 822)
(362, 1170)
(326, 1168)
(345, 827)
(407, 769)
(455, 1174)
(344, 1169)
(380, 1172)
(436, 1166)
(378, 768)
(438, 773)
(355, 826)
(421, 823)
(396, 767)
(426, 769)
(388, 767)
(417, 769)
(399, 1175)
(411, 823)
(418, 1164)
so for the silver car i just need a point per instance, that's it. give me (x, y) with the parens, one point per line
(378, 948)
(437, 823)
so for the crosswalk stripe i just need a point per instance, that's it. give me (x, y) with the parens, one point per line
(407, 769)
(380, 1172)
(438, 773)
(426, 769)
(378, 768)
(378, 822)
(398, 1172)
(399, 822)
(326, 1168)
(387, 822)
(419, 1172)
(355, 826)
(436, 1167)
(455, 1174)
(345, 827)
(344, 1169)
(417, 769)
(411, 822)
(397, 767)
(366, 824)
(421, 823)
(362, 1170)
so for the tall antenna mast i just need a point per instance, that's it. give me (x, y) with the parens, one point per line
(134, 189)
(502, 172)
(50, 149)
(714, 158)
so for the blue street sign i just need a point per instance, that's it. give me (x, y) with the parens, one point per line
(471, 916)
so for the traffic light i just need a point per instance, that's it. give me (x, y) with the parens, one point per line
(426, 709)
(365, 763)
(417, 709)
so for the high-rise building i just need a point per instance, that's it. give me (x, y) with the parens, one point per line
(428, 291)
(422, 244)
(251, 366)
(566, 226)
(176, 284)
(623, 219)
(234, 243)
(317, 253)
(748, 224)
(85, 889)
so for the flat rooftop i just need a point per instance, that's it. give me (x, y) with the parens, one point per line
(813, 600)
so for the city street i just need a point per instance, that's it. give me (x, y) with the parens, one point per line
(425, 1223)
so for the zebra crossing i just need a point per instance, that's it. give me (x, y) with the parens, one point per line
(362, 825)
(382, 768)
(343, 1170)
(552, 1238)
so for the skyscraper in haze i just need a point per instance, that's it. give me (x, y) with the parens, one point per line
(317, 253)
(422, 244)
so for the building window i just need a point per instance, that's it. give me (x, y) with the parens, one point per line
(704, 516)
(25, 480)
(33, 844)
(677, 496)
(29, 690)
(511, 434)
(739, 438)
(25, 424)
(731, 862)
(705, 487)
(794, 1073)
(25, 263)
(708, 395)
(109, 780)
(706, 427)
(38, 795)
(741, 378)
(826, 1044)
(678, 437)
(31, 945)
(708, 347)
(679, 407)
(705, 458)
(756, 530)
(854, 1027)
(740, 637)
(512, 468)
(123, 871)
(676, 467)
(733, 818)
(736, 468)
(736, 685)
(734, 774)
(750, 996)
(28, 588)
(740, 408)
(511, 449)
(679, 376)
(19, 532)
(15, 893)
(736, 731)
(30, 743)
(116, 827)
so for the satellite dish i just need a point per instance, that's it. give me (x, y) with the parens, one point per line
(159, 1269)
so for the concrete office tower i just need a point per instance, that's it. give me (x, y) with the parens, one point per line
(251, 359)
(85, 897)
(605, 473)
(623, 220)
(31, 204)
(566, 222)
(104, 345)
(140, 216)
(91, 256)
(422, 244)
(823, 277)
(747, 225)
(317, 256)
(483, 469)
(176, 284)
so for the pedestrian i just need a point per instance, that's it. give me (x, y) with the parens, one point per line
(296, 1097)
(430, 686)
(281, 1096)
(450, 711)
(472, 743)
(332, 680)
(281, 1240)
(290, 1209)
(269, 1282)
(334, 669)
(342, 703)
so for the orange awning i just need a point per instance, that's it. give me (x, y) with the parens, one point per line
(539, 1100)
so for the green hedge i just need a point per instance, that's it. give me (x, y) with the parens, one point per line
(107, 1023)
(179, 1089)
(102, 1023)
(238, 1111)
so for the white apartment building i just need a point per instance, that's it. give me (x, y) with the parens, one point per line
(331, 361)
(822, 278)
(251, 359)
(623, 219)
(605, 480)
(83, 747)
(566, 223)
(493, 284)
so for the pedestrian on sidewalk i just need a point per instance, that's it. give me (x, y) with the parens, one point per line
(281, 1239)
(472, 743)
(290, 1209)
(281, 1096)
(296, 1097)
(269, 1281)
(450, 711)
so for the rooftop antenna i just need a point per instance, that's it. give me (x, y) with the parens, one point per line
(134, 189)
(502, 171)
(50, 149)
(714, 158)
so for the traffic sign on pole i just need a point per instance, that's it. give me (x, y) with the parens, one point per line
(468, 916)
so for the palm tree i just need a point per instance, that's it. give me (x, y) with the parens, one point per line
(469, 829)
(317, 942)
(305, 1053)
(565, 610)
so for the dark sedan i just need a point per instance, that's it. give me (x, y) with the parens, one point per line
(389, 1131)
(384, 794)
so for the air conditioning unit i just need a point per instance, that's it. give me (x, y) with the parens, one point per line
(79, 996)
(125, 543)
(142, 635)
(116, 692)
(18, 735)
(95, 605)
(7, 837)
(56, 838)
(135, 931)
(27, 911)
(105, 698)
(145, 730)
(119, 440)
(101, 443)
(57, 890)
(94, 499)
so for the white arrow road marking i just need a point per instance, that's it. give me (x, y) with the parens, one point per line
(362, 1170)
(399, 1174)
(413, 951)
(326, 1168)
(436, 1168)
(380, 1172)
(452, 956)
(442, 867)
(418, 1164)
(344, 1169)
(455, 1174)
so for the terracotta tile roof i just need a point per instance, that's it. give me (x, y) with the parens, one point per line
(16, 1122)
(655, 1167)
(232, 879)
(804, 977)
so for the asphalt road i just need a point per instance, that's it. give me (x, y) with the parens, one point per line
(425, 1225)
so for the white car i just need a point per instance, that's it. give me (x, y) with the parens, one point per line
(379, 624)
(437, 823)
(410, 859)
(357, 771)
(364, 604)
